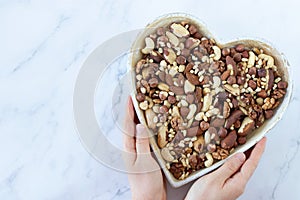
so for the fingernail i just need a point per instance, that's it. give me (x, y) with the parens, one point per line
(141, 131)
(240, 156)
(140, 128)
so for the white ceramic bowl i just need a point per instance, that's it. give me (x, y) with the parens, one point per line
(255, 136)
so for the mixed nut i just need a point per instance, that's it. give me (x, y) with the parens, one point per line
(202, 100)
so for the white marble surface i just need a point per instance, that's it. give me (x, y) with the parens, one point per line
(43, 45)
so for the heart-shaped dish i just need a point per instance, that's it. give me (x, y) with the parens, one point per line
(253, 137)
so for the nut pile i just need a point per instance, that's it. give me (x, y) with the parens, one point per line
(201, 100)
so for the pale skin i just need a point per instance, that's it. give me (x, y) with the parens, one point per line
(226, 183)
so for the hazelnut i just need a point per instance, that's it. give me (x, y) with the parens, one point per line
(140, 97)
(171, 99)
(263, 94)
(211, 148)
(197, 35)
(225, 51)
(245, 54)
(204, 125)
(231, 80)
(192, 29)
(237, 57)
(232, 52)
(240, 48)
(153, 82)
(237, 124)
(229, 141)
(252, 84)
(282, 85)
(269, 114)
(160, 31)
(163, 109)
(222, 132)
(163, 95)
(241, 80)
(181, 60)
(242, 140)
(252, 71)
(261, 72)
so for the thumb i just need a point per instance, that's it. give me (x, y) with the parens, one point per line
(142, 139)
(231, 166)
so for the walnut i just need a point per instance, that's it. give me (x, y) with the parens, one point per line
(177, 169)
(257, 108)
(268, 103)
(174, 122)
(220, 154)
(278, 94)
(252, 113)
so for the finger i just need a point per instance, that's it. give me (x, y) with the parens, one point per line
(241, 178)
(230, 167)
(251, 164)
(142, 140)
(129, 129)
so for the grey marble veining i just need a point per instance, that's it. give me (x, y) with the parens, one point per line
(43, 46)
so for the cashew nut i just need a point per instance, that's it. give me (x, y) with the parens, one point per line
(184, 103)
(162, 136)
(207, 102)
(207, 137)
(217, 52)
(149, 45)
(150, 102)
(212, 112)
(269, 59)
(175, 112)
(188, 87)
(166, 154)
(209, 160)
(206, 91)
(251, 60)
(199, 116)
(217, 82)
(191, 114)
(198, 144)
